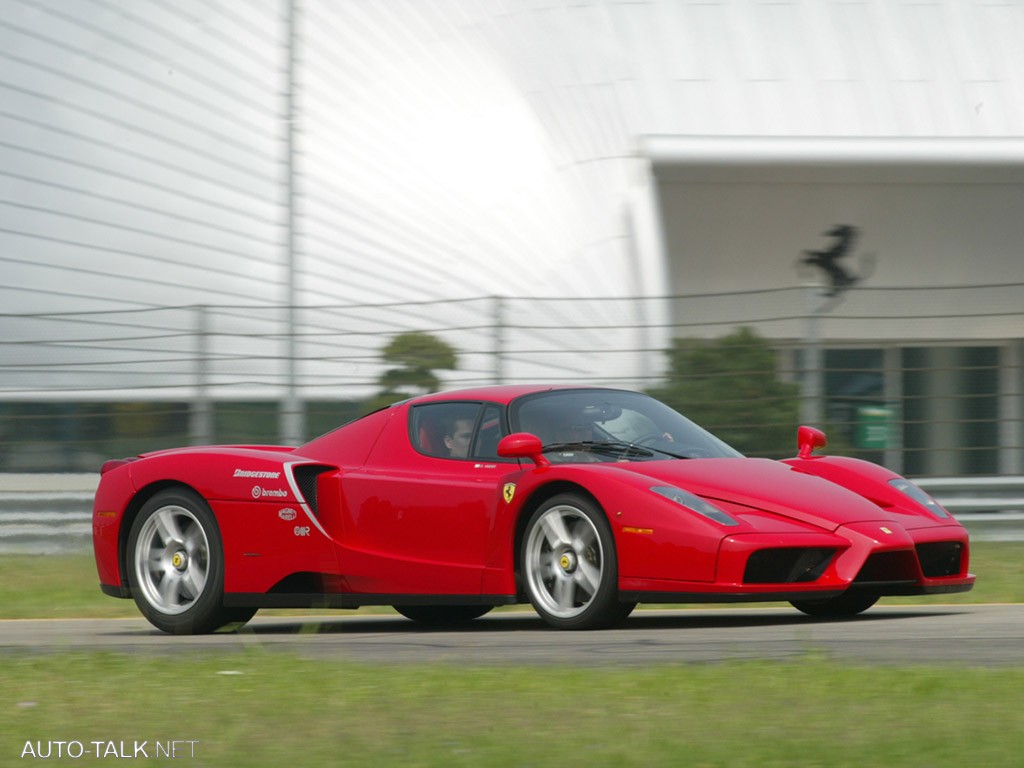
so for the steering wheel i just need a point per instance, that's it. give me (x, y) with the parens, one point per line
(649, 437)
(689, 451)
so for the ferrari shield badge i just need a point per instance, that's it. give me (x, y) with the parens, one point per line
(509, 492)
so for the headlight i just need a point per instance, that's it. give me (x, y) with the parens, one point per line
(695, 503)
(918, 495)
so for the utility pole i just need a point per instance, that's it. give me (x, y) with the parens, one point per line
(292, 418)
(829, 260)
(812, 386)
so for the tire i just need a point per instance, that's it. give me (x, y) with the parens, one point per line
(849, 603)
(175, 565)
(622, 612)
(442, 614)
(569, 565)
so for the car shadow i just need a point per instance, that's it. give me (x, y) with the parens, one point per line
(526, 622)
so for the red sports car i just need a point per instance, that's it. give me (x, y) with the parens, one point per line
(582, 501)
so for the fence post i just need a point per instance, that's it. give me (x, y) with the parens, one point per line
(498, 308)
(201, 415)
(892, 384)
(1011, 408)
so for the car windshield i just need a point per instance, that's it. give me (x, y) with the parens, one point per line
(612, 425)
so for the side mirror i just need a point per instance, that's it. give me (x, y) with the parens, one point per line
(522, 445)
(809, 438)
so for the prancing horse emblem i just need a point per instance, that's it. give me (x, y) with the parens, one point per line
(509, 492)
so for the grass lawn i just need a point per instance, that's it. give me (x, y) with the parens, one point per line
(268, 708)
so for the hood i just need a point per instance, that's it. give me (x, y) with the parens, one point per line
(768, 485)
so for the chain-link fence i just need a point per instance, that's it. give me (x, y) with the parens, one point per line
(78, 388)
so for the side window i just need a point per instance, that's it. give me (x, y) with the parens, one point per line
(443, 429)
(492, 429)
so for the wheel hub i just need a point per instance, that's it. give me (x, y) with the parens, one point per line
(568, 562)
(180, 560)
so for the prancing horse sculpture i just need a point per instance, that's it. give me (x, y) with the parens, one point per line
(839, 278)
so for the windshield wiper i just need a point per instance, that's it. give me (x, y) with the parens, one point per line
(669, 453)
(607, 447)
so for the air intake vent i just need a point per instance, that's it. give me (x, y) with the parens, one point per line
(940, 558)
(883, 567)
(787, 565)
(305, 478)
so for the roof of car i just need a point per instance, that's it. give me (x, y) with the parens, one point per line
(497, 394)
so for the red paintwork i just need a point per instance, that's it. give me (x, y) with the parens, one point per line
(809, 438)
(390, 521)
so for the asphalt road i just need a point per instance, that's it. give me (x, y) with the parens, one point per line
(967, 634)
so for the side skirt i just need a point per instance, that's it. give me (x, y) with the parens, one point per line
(354, 600)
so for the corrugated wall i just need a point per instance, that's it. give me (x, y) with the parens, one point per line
(445, 149)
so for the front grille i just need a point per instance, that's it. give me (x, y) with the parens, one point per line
(888, 566)
(940, 558)
(305, 479)
(787, 565)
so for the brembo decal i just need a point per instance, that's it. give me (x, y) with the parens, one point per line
(268, 493)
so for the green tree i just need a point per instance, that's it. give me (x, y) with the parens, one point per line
(730, 386)
(415, 356)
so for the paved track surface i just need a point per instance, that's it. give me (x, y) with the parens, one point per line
(967, 634)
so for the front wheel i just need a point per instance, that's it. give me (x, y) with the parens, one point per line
(176, 565)
(846, 604)
(569, 564)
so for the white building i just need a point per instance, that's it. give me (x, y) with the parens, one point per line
(460, 148)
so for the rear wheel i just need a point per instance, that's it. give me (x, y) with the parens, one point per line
(846, 604)
(569, 566)
(442, 614)
(176, 565)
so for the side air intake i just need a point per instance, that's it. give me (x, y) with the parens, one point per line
(305, 479)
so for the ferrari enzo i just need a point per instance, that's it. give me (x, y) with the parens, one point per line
(580, 501)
